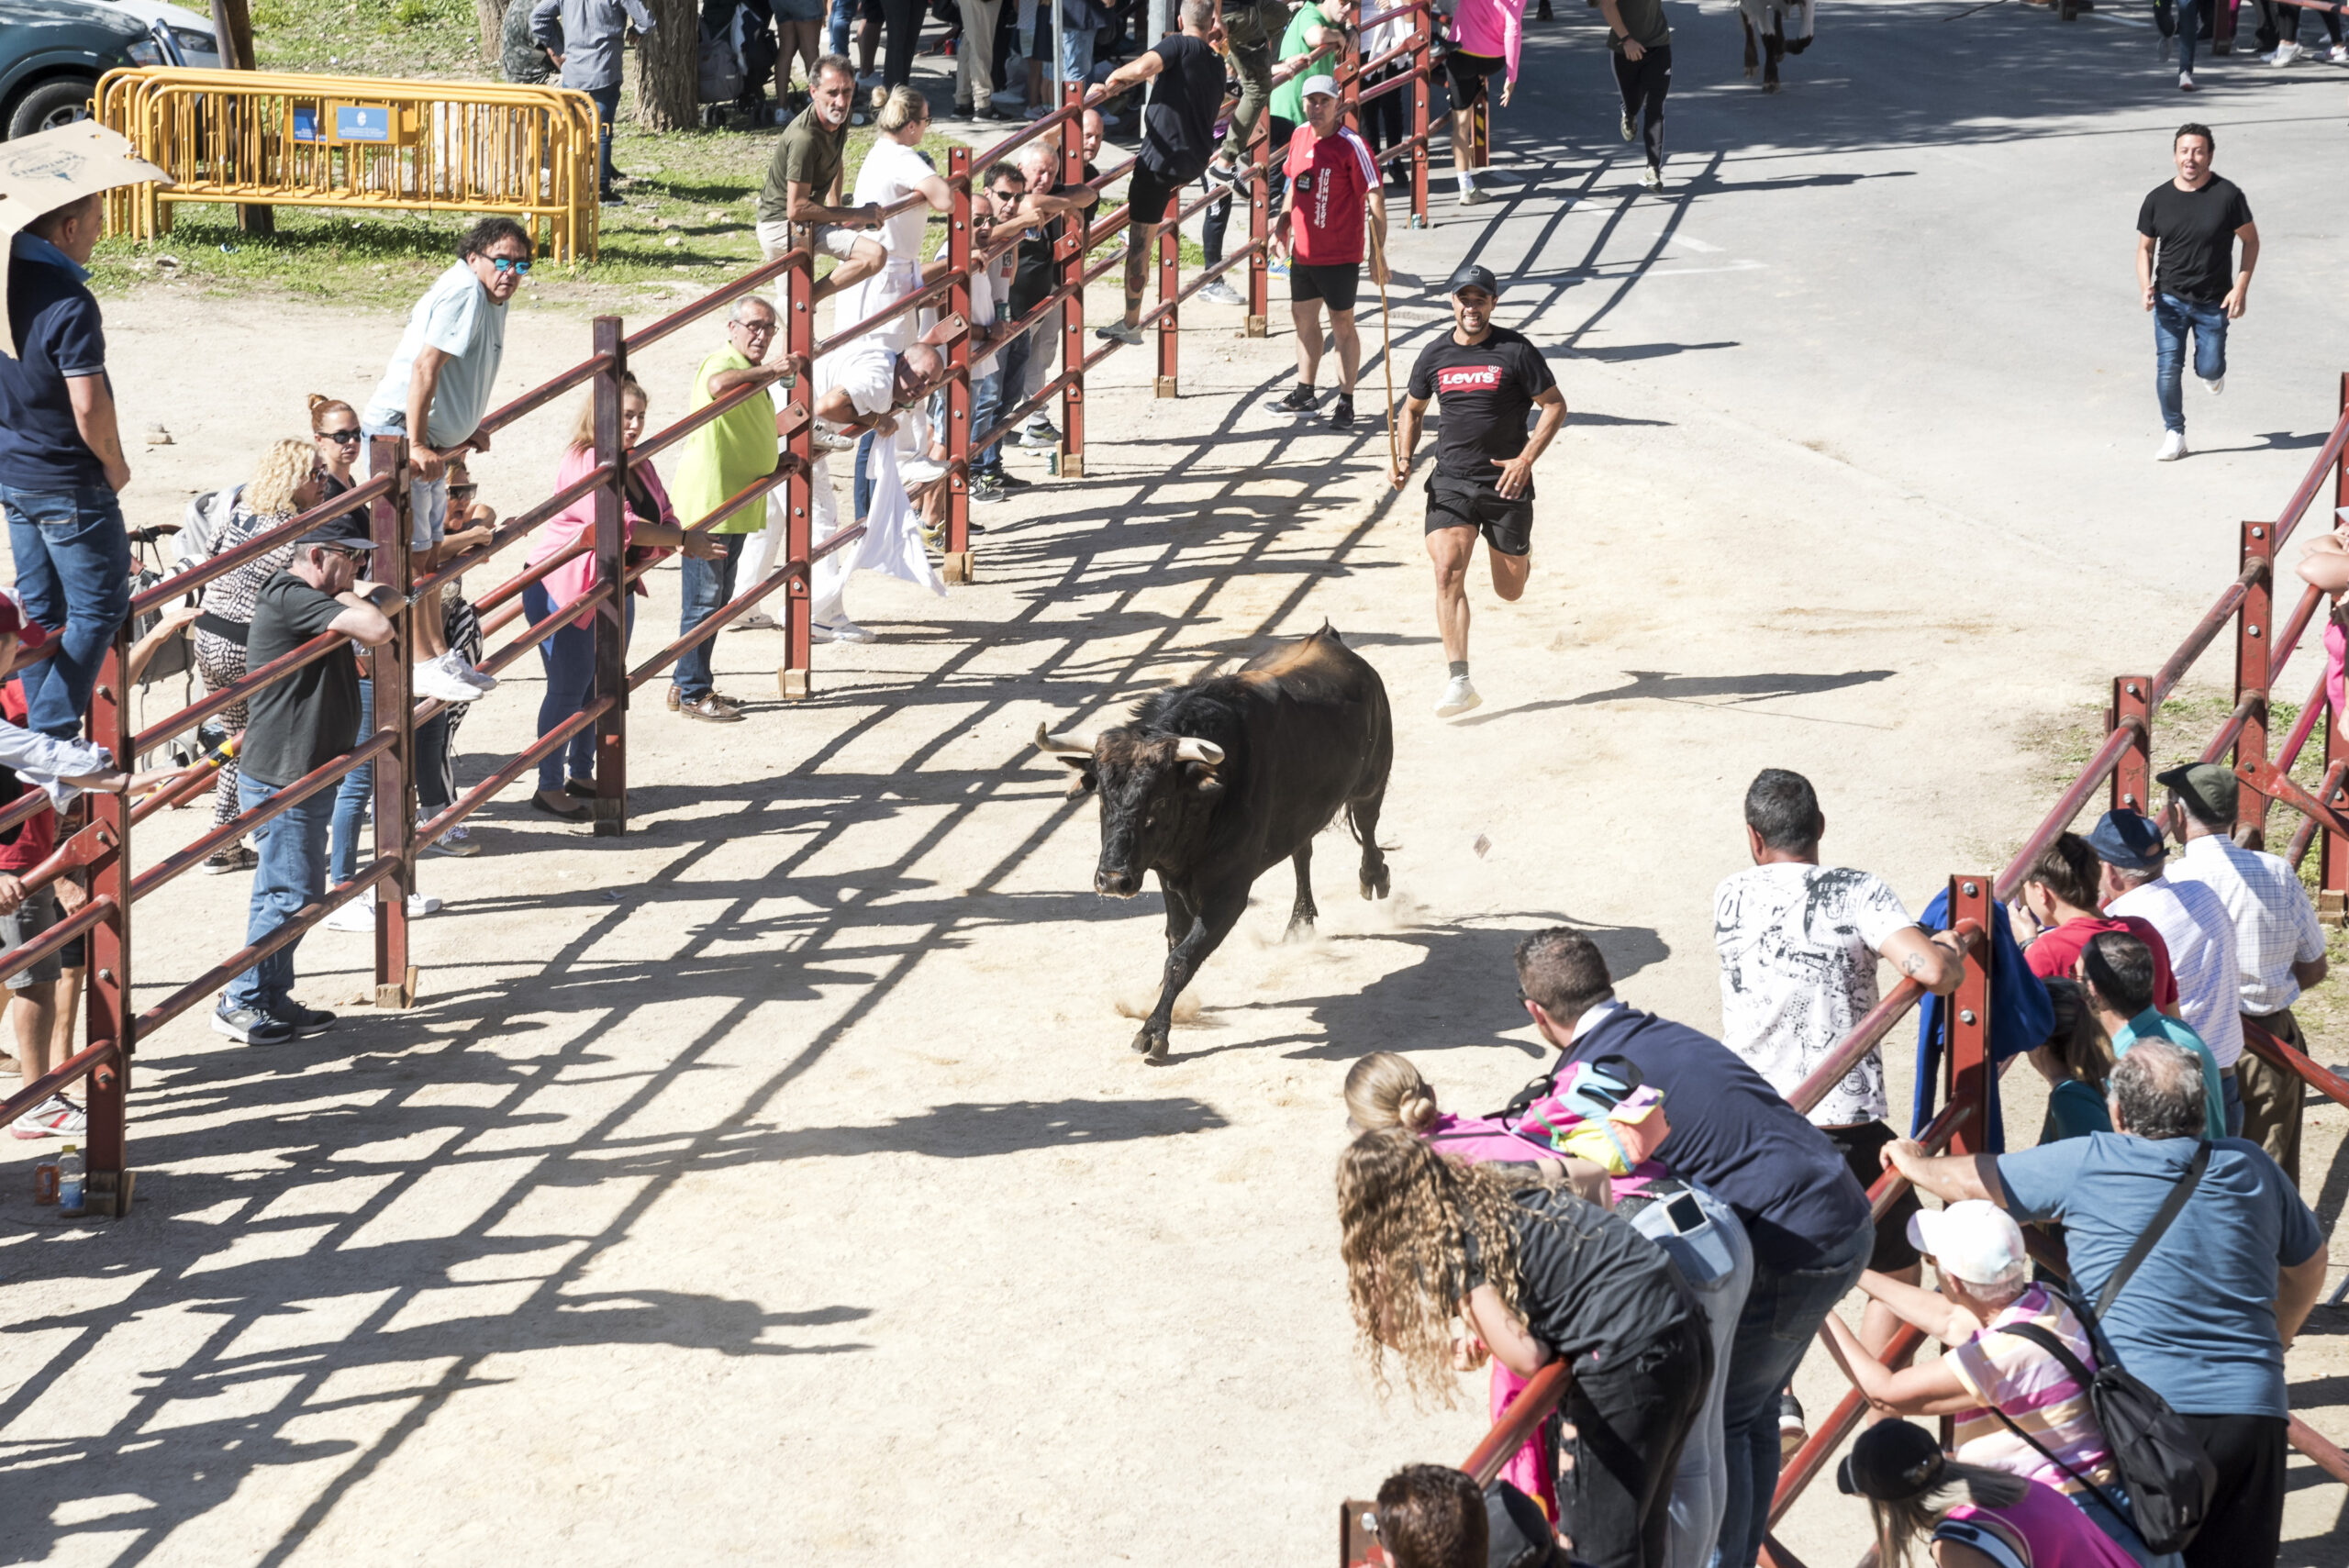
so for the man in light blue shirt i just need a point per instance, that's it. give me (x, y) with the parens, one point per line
(435, 393)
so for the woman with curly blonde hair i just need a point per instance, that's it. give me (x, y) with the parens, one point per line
(285, 481)
(1533, 1275)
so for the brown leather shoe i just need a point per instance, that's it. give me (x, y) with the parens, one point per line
(712, 708)
(676, 698)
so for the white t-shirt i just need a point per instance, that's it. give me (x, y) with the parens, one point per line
(2201, 941)
(457, 316)
(890, 173)
(1798, 947)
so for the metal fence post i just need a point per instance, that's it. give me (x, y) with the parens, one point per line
(959, 237)
(799, 345)
(107, 1103)
(2332, 856)
(611, 598)
(2252, 635)
(1969, 1016)
(1260, 226)
(1422, 54)
(1076, 238)
(2131, 775)
(1168, 383)
(395, 708)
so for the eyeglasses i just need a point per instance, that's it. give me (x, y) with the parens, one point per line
(757, 328)
(520, 268)
(340, 438)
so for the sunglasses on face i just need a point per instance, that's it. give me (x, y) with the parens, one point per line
(340, 438)
(520, 268)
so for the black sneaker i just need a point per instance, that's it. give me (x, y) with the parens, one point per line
(251, 1026)
(234, 858)
(306, 1022)
(1341, 413)
(1300, 400)
(987, 491)
(1793, 1432)
(1011, 481)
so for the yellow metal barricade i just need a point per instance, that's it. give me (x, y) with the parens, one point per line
(370, 143)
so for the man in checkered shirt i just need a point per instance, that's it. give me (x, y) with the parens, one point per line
(2279, 947)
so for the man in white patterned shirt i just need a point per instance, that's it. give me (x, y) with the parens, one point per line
(2280, 946)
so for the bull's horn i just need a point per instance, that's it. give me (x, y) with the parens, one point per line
(1068, 746)
(1191, 749)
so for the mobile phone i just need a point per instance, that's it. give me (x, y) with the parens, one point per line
(1684, 1212)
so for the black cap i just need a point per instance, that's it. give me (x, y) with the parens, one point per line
(2127, 840)
(344, 531)
(1472, 276)
(1893, 1461)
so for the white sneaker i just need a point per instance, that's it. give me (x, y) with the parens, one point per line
(433, 678)
(1458, 697)
(55, 1117)
(2286, 52)
(462, 667)
(457, 840)
(2172, 447)
(827, 439)
(2215, 385)
(1475, 195)
(1217, 291)
(840, 630)
(1652, 179)
(2185, 82)
(915, 471)
(358, 915)
(2339, 54)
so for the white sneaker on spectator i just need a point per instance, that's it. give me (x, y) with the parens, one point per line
(827, 439)
(2215, 385)
(2339, 54)
(1116, 332)
(462, 667)
(2185, 82)
(2172, 447)
(1217, 291)
(358, 915)
(457, 840)
(55, 1117)
(840, 630)
(1458, 697)
(2286, 52)
(1042, 434)
(434, 679)
(920, 470)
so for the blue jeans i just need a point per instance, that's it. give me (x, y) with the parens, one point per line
(569, 658)
(986, 406)
(2188, 25)
(1783, 1310)
(351, 798)
(863, 488)
(292, 872)
(1701, 1485)
(73, 573)
(844, 17)
(608, 104)
(1076, 54)
(2231, 1103)
(706, 588)
(2122, 1532)
(2173, 319)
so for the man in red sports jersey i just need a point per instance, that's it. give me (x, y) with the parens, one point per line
(1332, 180)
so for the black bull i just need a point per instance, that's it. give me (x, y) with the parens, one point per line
(1215, 781)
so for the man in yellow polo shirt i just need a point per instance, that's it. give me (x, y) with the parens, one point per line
(734, 450)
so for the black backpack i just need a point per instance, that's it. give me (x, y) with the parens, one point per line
(2170, 1479)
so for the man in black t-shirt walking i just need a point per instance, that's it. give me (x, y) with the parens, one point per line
(2185, 236)
(1489, 379)
(1185, 76)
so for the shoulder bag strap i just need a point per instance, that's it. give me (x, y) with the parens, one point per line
(2072, 1364)
(2177, 1200)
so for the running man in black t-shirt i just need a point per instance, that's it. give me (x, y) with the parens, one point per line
(2186, 240)
(1185, 76)
(1489, 379)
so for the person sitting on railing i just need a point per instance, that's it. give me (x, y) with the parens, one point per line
(716, 462)
(649, 530)
(1537, 1276)
(2280, 946)
(803, 187)
(287, 479)
(298, 724)
(1972, 1516)
(2206, 1319)
(1711, 1250)
(2195, 931)
(1806, 1215)
(435, 393)
(2018, 1408)
(1185, 77)
(863, 387)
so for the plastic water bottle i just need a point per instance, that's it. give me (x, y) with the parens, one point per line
(72, 1181)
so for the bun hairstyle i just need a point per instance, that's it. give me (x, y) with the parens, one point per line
(321, 405)
(1384, 1090)
(893, 108)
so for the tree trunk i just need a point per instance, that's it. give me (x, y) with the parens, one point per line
(668, 68)
(491, 14)
(232, 31)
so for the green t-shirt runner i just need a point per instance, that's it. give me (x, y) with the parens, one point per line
(724, 455)
(1288, 98)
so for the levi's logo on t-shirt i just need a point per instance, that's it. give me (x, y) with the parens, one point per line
(1468, 378)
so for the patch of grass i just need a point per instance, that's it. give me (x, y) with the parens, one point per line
(370, 37)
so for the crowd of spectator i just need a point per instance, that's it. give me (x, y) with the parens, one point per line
(1683, 1283)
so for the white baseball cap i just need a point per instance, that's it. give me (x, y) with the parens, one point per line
(1325, 84)
(1976, 1242)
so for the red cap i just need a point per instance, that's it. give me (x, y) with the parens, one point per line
(14, 622)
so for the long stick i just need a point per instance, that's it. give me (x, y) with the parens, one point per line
(1386, 342)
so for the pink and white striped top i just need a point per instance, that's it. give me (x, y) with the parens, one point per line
(2011, 1374)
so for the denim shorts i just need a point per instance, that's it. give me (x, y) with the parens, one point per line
(37, 913)
(427, 500)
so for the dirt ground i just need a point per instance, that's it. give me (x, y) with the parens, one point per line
(774, 1184)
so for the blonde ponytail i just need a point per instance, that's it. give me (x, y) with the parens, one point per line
(1384, 1090)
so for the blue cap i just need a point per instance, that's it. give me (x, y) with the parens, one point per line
(2127, 840)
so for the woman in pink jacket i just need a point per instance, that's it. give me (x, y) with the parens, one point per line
(1487, 36)
(650, 528)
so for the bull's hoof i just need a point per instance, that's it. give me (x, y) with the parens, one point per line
(1799, 46)
(1377, 886)
(1750, 72)
(1771, 85)
(1300, 927)
(1150, 1043)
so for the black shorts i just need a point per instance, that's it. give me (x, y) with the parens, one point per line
(1863, 1149)
(1468, 73)
(1336, 285)
(1507, 525)
(1148, 194)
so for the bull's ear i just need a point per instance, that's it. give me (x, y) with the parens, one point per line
(1083, 780)
(1205, 779)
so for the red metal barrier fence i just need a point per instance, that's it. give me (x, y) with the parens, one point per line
(2123, 764)
(96, 836)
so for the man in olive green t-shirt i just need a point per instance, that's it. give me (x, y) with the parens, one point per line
(802, 185)
(735, 448)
